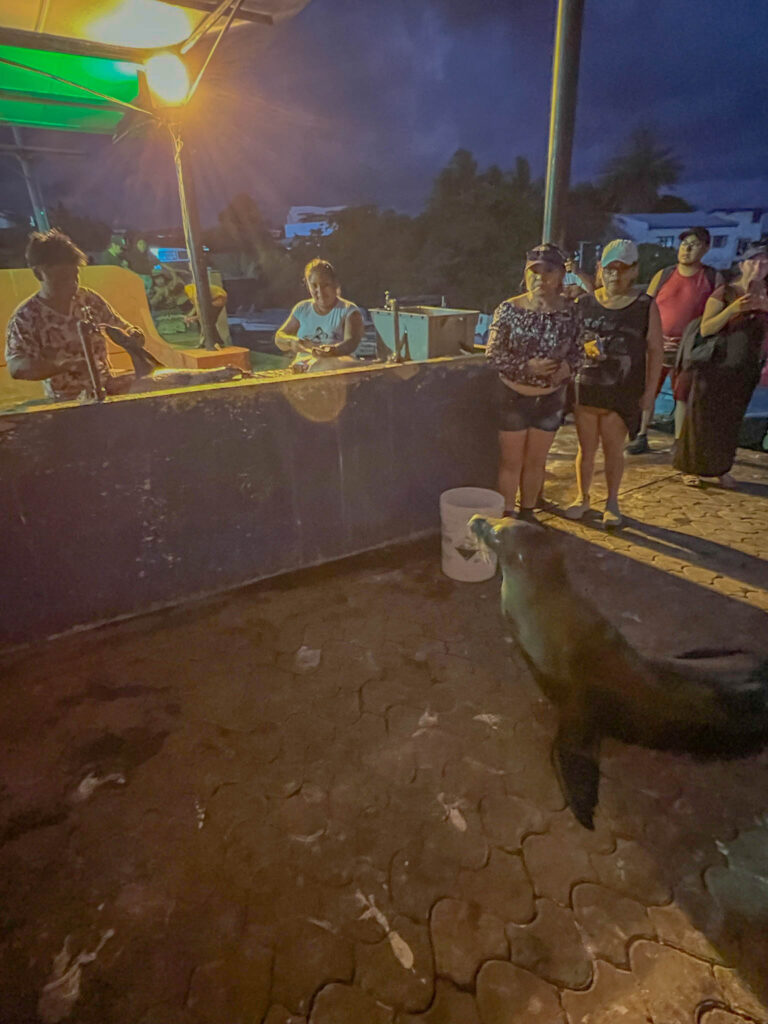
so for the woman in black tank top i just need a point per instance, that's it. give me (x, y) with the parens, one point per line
(621, 330)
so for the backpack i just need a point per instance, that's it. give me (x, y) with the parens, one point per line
(709, 272)
(695, 351)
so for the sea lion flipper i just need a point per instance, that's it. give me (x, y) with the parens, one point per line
(575, 760)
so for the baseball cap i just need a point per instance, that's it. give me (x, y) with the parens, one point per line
(620, 250)
(701, 233)
(756, 249)
(545, 253)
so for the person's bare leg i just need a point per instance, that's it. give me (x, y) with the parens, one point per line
(613, 434)
(511, 451)
(680, 409)
(587, 428)
(537, 445)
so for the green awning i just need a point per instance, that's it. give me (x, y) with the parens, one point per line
(32, 99)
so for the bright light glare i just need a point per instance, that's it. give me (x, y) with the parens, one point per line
(145, 23)
(167, 78)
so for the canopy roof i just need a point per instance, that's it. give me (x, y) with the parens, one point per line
(101, 45)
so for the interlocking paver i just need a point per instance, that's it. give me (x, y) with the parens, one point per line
(307, 956)
(399, 970)
(508, 819)
(233, 989)
(609, 922)
(673, 984)
(630, 870)
(450, 1006)
(556, 866)
(279, 1015)
(613, 995)
(740, 995)
(463, 936)
(674, 927)
(507, 994)
(501, 887)
(343, 1004)
(551, 946)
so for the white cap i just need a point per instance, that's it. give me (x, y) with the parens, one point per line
(620, 250)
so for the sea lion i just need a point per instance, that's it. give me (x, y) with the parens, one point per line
(708, 703)
(151, 375)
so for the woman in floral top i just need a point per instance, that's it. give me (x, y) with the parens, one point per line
(534, 344)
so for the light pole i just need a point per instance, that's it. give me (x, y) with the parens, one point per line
(565, 78)
(209, 332)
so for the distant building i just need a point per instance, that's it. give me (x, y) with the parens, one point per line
(752, 221)
(304, 221)
(732, 229)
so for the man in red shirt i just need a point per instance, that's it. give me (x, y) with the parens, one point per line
(681, 292)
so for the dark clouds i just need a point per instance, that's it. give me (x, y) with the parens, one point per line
(364, 100)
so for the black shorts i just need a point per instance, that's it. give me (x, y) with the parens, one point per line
(523, 412)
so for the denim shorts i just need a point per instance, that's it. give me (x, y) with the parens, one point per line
(525, 412)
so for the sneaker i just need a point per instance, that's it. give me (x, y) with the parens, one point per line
(639, 446)
(612, 517)
(577, 509)
(728, 482)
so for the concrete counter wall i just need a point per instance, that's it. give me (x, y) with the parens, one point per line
(110, 510)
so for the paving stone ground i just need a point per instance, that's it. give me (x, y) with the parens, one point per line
(328, 799)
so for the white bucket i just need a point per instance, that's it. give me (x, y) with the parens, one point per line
(463, 558)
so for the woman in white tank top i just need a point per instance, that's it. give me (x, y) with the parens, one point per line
(324, 330)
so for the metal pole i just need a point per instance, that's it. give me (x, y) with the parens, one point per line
(209, 333)
(35, 195)
(565, 77)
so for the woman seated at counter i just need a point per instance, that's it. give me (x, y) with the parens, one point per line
(324, 330)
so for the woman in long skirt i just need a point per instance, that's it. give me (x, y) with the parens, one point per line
(722, 387)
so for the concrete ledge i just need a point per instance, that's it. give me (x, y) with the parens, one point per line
(110, 510)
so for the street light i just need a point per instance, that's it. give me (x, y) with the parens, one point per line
(168, 78)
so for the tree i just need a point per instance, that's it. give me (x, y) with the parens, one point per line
(587, 215)
(632, 179)
(91, 235)
(243, 234)
(476, 229)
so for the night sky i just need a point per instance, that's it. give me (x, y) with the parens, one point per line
(359, 101)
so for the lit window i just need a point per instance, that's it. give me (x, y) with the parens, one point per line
(666, 240)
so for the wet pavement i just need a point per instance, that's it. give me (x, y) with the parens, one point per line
(328, 798)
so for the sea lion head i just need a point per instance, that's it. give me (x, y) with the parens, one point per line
(518, 543)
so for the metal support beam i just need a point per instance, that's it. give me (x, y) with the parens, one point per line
(206, 25)
(77, 47)
(46, 100)
(209, 333)
(257, 17)
(565, 78)
(13, 149)
(35, 195)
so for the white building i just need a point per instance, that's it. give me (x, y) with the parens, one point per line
(303, 221)
(665, 229)
(752, 221)
(732, 230)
